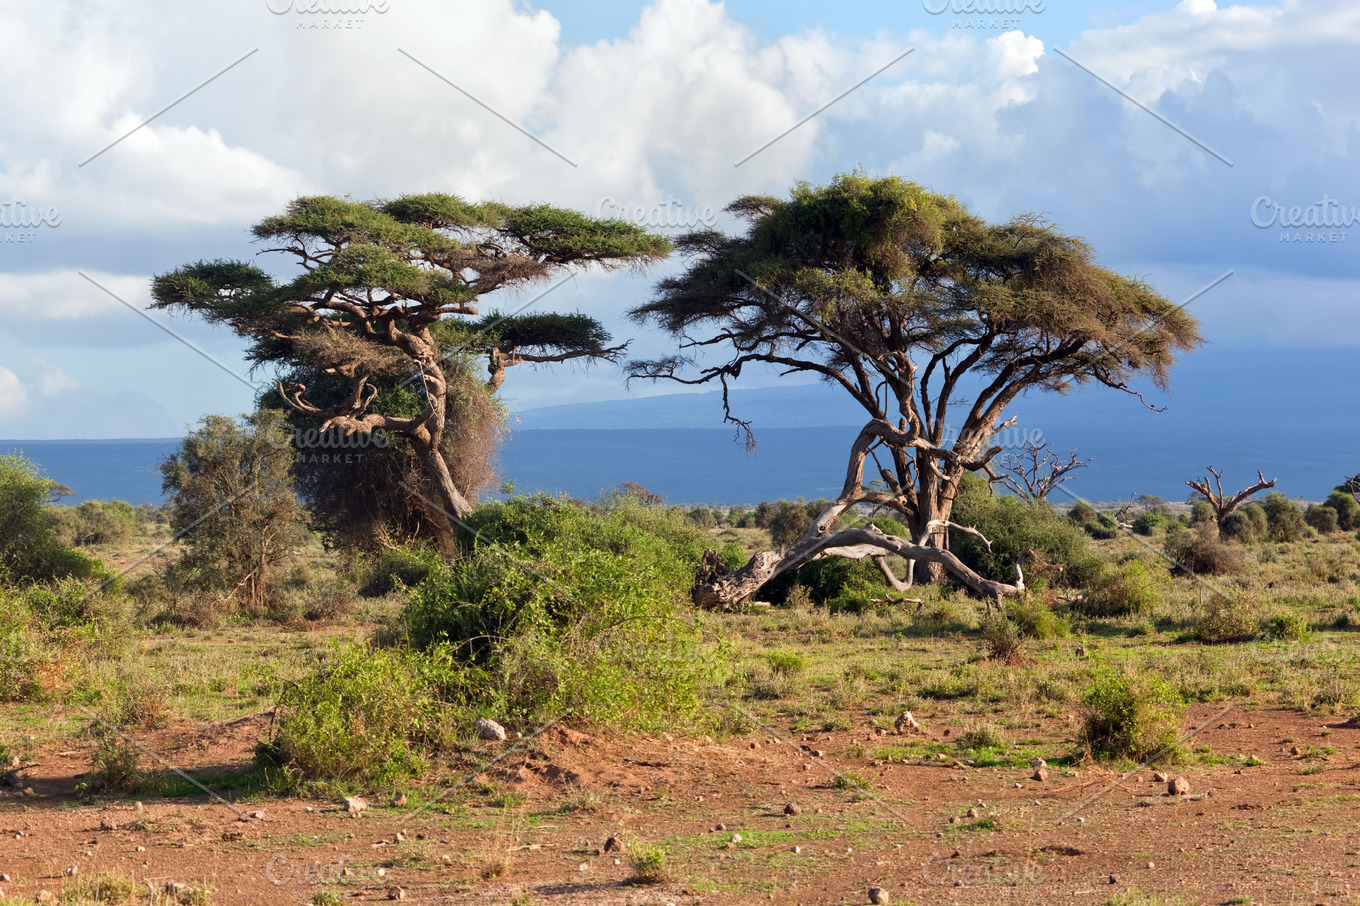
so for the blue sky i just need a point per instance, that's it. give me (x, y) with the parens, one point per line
(654, 103)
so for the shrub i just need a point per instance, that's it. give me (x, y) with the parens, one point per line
(1128, 588)
(117, 766)
(1323, 519)
(1002, 637)
(1127, 718)
(1201, 551)
(1226, 619)
(1103, 529)
(785, 662)
(1288, 627)
(1149, 521)
(368, 716)
(981, 736)
(406, 565)
(703, 517)
(1247, 524)
(29, 547)
(1201, 511)
(566, 609)
(1034, 619)
(788, 523)
(1014, 526)
(1347, 510)
(1081, 513)
(828, 580)
(1284, 517)
(648, 864)
(94, 522)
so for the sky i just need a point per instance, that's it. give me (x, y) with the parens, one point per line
(1181, 140)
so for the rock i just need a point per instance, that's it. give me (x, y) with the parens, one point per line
(71, 871)
(354, 805)
(141, 849)
(1295, 750)
(796, 850)
(1161, 777)
(399, 800)
(398, 837)
(735, 838)
(879, 895)
(45, 896)
(137, 806)
(720, 827)
(5, 878)
(906, 723)
(1036, 762)
(106, 825)
(1178, 786)
(231, 835)
(258, 816)
(793, 808)
(612, 845)
(1113, 879)
(396, 893)
(1040, 775)
(973, 813)
(489, 729)
(754, 744)
(582, 867)
(1152, 865)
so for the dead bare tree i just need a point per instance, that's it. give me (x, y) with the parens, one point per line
(1222, 504)
(1036, 470)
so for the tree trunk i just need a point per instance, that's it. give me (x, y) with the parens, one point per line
(718, 588)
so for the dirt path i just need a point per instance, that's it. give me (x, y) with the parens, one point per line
(1281, 832)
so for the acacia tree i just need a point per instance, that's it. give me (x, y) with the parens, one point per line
(1223, 505)
(1036, 470)
(388, 287)
(922, 313)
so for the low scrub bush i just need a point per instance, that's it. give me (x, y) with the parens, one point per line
(1227, 619)
(1002, 637)
(397, 567)
(1284, 517)
(116, 766)
(1015, 526)
(1131, 718)
(1201, 551)
(1323, 519)
(648, 864)
(1127, 588)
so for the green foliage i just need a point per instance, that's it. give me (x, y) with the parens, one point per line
(569, 609)
(1002, 637)
(1347, 509)
(835, 582)
(1248, 524)
(648, 864)
(785, 662)
(29, 547)
(1082, 513)
(403, 566)
(1103, 529)
(1227, 619)
(368, 716)
(703, 517)
(94, 522)
(1034, 619)
(1014, 526)
(980, 736)
(1201, 511)
(232, 498)
(1127, 588)
(1284, 517)
(789, 522)
(116, 766)
(1288, 627)
(1151, 520)
(1131, 718)
(1323, 519)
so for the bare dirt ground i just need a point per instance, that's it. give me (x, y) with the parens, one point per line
(533, 827)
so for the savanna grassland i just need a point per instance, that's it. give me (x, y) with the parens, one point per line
(158, 736)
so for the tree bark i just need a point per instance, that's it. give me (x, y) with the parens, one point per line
(718, 588)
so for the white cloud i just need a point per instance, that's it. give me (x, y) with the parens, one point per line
(13, 395)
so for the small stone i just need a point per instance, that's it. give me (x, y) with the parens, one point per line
(1178, 786)
(106, 825)
(1152, 865)
(1036, 762)
(1019, 786)
(5, 878)
(793, 808)
(1295, 750)
(1040, 775)
(735, 838)
(354, 805)
(612, 845)
(1113, 879)
(1161, 777)
(582, 867)
(382, 872)
(399, 800)
(1081, 652)
(257, 815)
(71, 871)
(398, 837)
(489, 729)
(720, 827)
(45, 896)
(1081, 820)
(137, 806)
(879, 896)
(141, 849)
(396, 893)
(754, 744)
(796, 850)
(973, 813)
(817, 753)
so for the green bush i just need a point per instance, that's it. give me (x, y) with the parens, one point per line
(1124, 589)
(29, 547)
(406, 566)
(1014, 526)
(567, 609)
(1201, 511)
(369, 716)
(1247, 524)
(94, 522)
(1103, 529)
(1081, 513)
(1284, 517)
(1149, 521)
(1227, 619)
(1034, 619)
(1002, 637)
(1323, 519)
(1288, 627)
(1347, 510)
(1128, 718)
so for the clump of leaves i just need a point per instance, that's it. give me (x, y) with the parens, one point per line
(648, 864)
(1128, 718)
